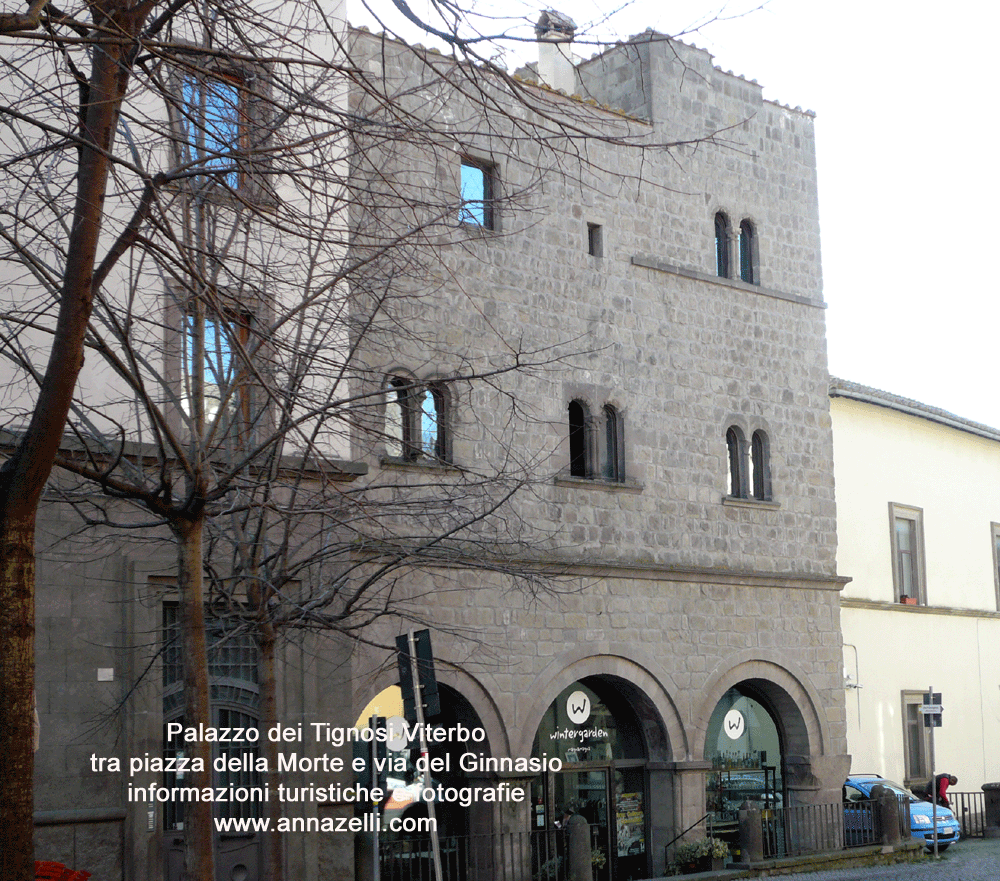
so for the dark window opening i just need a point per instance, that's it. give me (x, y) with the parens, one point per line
(721, 245)
(595, 240)
(760, 465)
(748, 247)
(614, 444)
(906, 557)
(578, 464)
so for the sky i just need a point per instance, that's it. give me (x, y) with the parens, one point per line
(904, 94)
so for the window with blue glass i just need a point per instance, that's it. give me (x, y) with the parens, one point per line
(227, 400)
(416, 420)
(214, 123)
(478, 194)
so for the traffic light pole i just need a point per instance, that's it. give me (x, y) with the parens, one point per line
(424, 755)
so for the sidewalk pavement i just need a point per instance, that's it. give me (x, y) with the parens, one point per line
(975, 859)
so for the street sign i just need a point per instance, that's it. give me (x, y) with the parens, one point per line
(932, 709)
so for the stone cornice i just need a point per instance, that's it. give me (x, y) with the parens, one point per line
(661, 266)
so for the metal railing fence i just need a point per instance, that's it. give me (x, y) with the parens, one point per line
(502, 856)
(970, 811)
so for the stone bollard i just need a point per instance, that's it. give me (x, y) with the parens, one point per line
(751, 834)
(578, 849)
(992, 819)
(887, 806)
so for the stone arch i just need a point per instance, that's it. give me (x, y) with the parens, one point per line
(792, 700)
(468, 687)
(568, 669)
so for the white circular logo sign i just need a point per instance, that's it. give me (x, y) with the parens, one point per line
(396, 733)
(578, 707)
(734, 724)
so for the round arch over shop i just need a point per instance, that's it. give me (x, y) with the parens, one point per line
(578, 665)
(614, 751)
(469, 689)
(787, 696)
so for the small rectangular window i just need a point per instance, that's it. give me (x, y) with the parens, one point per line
(478, 194)
(595, 240)
(916, 740)
(907, 541)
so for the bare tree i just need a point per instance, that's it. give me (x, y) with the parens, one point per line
(211, 246)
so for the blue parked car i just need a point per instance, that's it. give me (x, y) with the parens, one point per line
(857, 818)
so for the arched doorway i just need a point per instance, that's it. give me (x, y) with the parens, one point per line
(745, 745)
(466, 855)
(604, 731)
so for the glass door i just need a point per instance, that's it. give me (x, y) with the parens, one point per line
(586, 793)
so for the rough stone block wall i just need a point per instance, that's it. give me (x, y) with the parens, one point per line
(672, 586)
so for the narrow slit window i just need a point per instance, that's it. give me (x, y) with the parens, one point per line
(748, 253)
(578, 446)
(595, 240)
(478, 194)
(760, 465)
(614, 445)
(735, 445)
(721, 245)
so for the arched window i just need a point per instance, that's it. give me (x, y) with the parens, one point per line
(721, 245)
(760, 465)
(579, 443)
(399, 435)
(416, 422)
(614, 445)
(433, 423)
(736, 445)
(748, 253)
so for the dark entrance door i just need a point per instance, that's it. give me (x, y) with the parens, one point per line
(594, 728)
(235, 696)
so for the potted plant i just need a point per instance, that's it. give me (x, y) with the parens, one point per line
(700, 854)
(720, 853)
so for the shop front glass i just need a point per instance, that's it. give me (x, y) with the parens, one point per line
(743, 745)
(592, 728)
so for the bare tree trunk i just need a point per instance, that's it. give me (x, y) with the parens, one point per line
(274, 850)
(28, 469)
(17, 664)
(199, 862)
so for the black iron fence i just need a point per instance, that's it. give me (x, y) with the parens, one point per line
(822, 828)
(504, 856)
(970, 811)
(543, 855)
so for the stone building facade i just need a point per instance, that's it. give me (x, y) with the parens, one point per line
(613, 344)
(681, 499)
